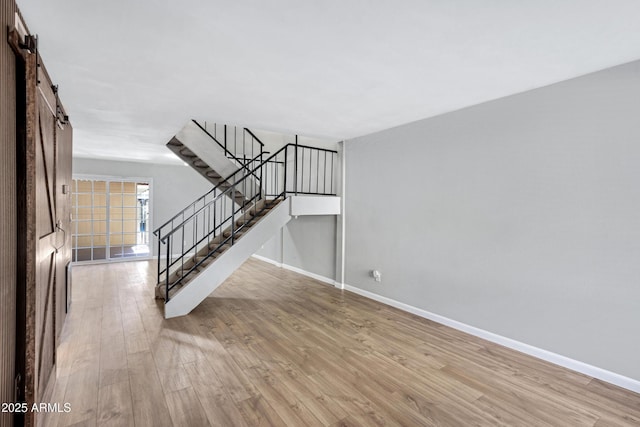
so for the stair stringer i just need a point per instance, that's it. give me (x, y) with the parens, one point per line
(208, 151)
(201, 286)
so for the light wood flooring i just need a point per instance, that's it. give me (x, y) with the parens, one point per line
(271, 347)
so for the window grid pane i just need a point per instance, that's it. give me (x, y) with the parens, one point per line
(110, 219)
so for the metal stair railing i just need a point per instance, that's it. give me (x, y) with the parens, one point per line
(247, 161)
(215, 221)
(246, 145)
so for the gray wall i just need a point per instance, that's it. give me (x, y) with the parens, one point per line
(306, 242)
(519, 216)
(174, 187)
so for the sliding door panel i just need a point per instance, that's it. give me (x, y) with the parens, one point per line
(111, 219)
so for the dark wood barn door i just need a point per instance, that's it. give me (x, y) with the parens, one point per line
(48, 240)
(43, 159)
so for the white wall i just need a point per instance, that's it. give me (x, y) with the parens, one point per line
(519, 216)
(273, 141)
(174, 187)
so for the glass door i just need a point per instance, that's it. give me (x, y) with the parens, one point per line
(111, 219)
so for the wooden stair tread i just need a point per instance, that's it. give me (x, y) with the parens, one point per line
(253, 213)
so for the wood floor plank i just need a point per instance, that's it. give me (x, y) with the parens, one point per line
(272, 348)
(82, 386)
(113, 359)
(149, 404)
(212, 393)
(115, 406)
(259, 413)
(136, 342)
(185, 408)
(302, 387)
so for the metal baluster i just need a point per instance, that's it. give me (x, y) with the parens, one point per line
(166, 287)
(332, 156)
(233, 215)
(310, 165)
(159, 253)
(182, 252)
(261, 174)
(317, 171)
(284, 184)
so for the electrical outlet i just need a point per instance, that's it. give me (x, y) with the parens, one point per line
(377, 276)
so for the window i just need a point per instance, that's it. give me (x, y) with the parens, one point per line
(110, 219)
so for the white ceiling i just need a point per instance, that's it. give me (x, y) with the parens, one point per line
(132, 72)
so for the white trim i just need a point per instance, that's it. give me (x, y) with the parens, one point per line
(315, 205)
(339, 283)
(268, 260)
(308, 274)
(296, 270)
(557, 359)
(574, 365)
(111, 261)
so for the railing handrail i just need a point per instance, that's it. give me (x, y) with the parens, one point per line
(226, 151)
(255, 137)
(313, 148)
(219, 196)
(157, 230)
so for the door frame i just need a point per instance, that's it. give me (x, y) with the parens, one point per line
(22, 230)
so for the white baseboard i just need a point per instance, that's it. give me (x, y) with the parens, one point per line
(268, 260)
(557, 359)
(308, 274)
(566, 362)
(296, 270)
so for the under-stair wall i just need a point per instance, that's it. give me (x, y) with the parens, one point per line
(216, 233)
(307, 243)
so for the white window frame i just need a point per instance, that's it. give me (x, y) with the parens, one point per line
(107, 179)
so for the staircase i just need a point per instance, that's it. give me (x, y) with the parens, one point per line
(218, 160)
(251, 200)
